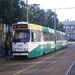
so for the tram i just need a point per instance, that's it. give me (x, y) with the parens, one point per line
(33, 40)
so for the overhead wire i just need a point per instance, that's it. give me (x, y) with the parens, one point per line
(69, 6)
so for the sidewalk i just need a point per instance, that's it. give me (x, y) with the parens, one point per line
(2, 51)
(2, 55)
(5, 58)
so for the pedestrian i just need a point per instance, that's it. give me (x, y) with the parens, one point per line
(6, 47)
(10, 44)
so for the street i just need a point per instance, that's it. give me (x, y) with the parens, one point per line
(55, 63)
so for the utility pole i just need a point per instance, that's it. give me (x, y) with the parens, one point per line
(55, 24)
(27, 9)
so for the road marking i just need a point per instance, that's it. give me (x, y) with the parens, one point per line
(38, 62)
(69, 68)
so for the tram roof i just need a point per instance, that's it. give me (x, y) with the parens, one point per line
(34, 26)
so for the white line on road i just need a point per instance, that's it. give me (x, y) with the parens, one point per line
(69, 68)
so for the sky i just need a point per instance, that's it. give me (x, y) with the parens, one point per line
(62, 14)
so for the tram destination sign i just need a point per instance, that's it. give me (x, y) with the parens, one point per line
(20, 26)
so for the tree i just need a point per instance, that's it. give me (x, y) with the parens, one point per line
(40, 16)
(34, 12)
(60, 26)
(13, 11)
(6, 9)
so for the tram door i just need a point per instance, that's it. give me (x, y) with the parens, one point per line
(33, 36)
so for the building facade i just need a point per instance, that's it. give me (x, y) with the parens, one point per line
(69, 27)
(2, 33)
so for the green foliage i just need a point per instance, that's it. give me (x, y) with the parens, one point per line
(12, 11)
(40, 16)
(19, 9)
(60, 27)
(36, 15)
(16, 10)
(6, 11)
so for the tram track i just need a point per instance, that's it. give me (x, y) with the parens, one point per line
(70, 67)
(53, 62)
(43, 61)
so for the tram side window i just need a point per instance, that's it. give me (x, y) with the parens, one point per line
(38, 36)
(51, 37)
(42, 36)
(46, 36)
(33, 38)
(59, 37)
(65, 37)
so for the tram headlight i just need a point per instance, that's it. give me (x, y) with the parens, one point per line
(14, 49)
(26, 49)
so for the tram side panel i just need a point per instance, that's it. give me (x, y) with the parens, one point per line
(49, 45)
(35, 49)
(45, 45)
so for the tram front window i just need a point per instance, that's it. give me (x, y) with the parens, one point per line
(21, 36)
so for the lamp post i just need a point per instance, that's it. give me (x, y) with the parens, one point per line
(27, 9)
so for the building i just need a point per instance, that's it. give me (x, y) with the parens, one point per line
(2, 33)
(69, 27)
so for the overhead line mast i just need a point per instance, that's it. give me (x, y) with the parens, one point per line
(27, 9)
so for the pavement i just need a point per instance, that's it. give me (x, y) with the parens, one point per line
(5, 58)
(2, 55)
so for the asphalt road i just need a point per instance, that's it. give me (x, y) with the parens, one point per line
(60, 62)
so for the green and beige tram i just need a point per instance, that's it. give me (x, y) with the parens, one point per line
(33, 40)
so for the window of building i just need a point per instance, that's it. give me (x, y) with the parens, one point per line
(72, 36)
(72, 28)
(67, 28)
